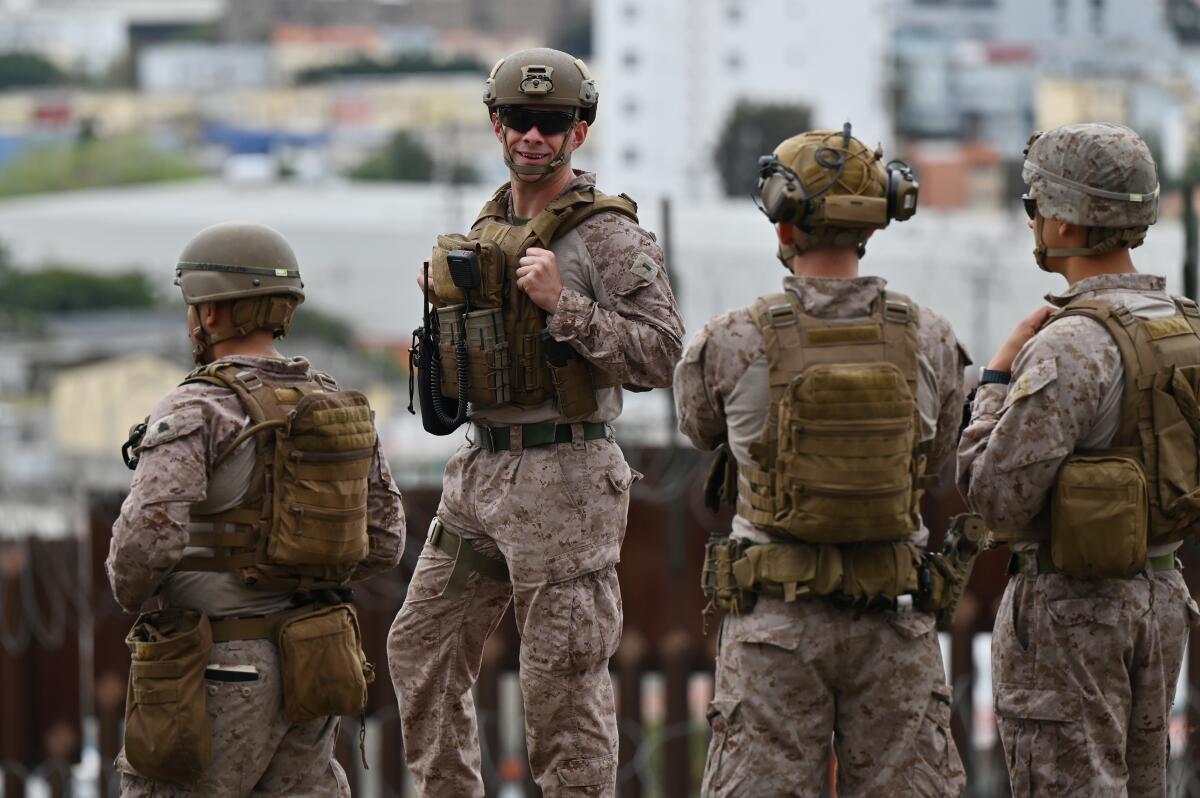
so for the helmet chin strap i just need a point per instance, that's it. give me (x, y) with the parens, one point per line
(541, 170)
(1042, 253)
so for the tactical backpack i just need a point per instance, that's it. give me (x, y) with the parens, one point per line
(510, 358)
(302, 524)
(838, 459)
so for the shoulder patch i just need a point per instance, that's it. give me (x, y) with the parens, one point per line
(1037, 377)
(171, 426)
(644, 266)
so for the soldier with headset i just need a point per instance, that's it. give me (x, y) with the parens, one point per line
(260, 494)
(554, 301)
(839, 401)
(1082, 455)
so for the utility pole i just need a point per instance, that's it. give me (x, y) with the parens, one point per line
(1189, 239)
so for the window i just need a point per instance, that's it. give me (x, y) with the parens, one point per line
(630, 59)
(629, 107)
(631, 11)
(630, 156)
(733, 61)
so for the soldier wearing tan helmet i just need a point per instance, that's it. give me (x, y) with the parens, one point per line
(835, 403)
(1081, 454)
(564, 300)
(259, 495)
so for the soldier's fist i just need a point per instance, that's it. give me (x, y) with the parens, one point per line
(537, 276)
(434, 299)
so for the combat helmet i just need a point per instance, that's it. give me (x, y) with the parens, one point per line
(1098, 175)
(833, 190)
(542, 76)
(250, 265)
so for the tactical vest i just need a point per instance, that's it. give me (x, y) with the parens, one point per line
(509, 359)
(302, 524)
(841, 457)
(1150, 474)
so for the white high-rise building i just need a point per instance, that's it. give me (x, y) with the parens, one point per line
(670, 72)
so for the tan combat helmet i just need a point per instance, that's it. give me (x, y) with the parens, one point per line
(833, 190)
(251, 265)
(1098, 175)
(542, 76)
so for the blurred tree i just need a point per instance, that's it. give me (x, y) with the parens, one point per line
(19, 70)
(97, 162)
(404, 64)
(751, 130)
(312, 323)
(404, 157)
(59, 289)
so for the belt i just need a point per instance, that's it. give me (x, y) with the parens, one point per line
(1026, 563)
(255, 627)
(500, 439)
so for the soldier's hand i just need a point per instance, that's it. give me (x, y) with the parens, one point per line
(537, 276)
(1018, 337)
(434, 299)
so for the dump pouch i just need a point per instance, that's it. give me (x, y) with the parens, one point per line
(1099, 515)
(491, 272)
(325, 671)
(168, 735)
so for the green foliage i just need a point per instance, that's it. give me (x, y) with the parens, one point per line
(752, 130)
(100, 162)
(22, 70)
(405, 64)
(402, 158)
(58, 289)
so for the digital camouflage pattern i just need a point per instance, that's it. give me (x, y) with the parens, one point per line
(1084, 671)
(187, 429)
(556, 514)
(256, 750)
(791, 676)
(1099, 155)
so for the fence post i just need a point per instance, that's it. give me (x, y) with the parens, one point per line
(677, 666)
(630, 660)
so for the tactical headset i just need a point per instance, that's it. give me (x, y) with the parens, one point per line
(783, 196)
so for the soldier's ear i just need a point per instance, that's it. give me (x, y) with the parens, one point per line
(787, 234)
(579, 134)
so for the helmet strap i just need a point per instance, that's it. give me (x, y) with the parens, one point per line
(561, 157)
(1130, 237)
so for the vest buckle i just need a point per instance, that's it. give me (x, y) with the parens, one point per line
(781, 315)
(897, 312)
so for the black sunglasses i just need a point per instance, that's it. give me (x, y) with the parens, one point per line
(548, 123)
(1030, 205)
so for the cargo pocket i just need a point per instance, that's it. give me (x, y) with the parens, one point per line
(324, 669)
(593, 772)
(728, 751)
(168, 734)
(574, 625)
(1044, 741)
(1099, 513)
(937, 770)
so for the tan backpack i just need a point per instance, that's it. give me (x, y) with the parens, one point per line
(303, 523)
(841, 461)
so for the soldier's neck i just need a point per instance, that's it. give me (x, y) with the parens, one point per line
(531, 198)
(1116, 262)
(260, 343)
(835, 263)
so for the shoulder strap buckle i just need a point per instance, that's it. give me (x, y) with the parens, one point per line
(325, 381)
(781, 315)
(1123, 315)
(1187, 307)
(897, 312)
(249, 380)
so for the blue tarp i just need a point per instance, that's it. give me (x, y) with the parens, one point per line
(244, 141)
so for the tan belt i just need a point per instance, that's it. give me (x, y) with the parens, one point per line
(254, 627)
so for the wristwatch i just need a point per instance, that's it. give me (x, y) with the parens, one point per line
(987, 375)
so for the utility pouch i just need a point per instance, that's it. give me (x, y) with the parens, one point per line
(322, 462)
(449, 328)
(790, 570)
(168, 735)
(717, 579)
(880, 569)
(325, 671)
(572, 378)
(1099, 514)
(489, 294)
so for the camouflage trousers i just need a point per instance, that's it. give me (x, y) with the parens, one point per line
(556, 515)
(794, 678)
(1083, 675)
(256, 750)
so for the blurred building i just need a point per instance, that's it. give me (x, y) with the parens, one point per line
(186, 66)
(671, 71)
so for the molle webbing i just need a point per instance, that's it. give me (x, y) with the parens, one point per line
(302, 522)
(848, 466)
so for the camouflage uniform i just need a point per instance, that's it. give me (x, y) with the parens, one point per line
(792, 674)
(1083, 671)
(255, 748)
(556, 515)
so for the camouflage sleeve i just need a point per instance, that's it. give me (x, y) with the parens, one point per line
(150, 534)
(385, 520)
(715, 360)
(1020, 434)
(638, 335)
(948, 358)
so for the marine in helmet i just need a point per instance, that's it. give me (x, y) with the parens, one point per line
(571, 302)
(260, 494)
(1081, 454)
(835, 404)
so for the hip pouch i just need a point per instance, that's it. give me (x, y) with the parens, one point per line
(168, 735)
(325, 671)
(1099, 515)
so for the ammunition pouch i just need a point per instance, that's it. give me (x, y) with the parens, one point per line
(487, 355)
(325, 671)
(168, 734)
(1099, 517)
(717, 579)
